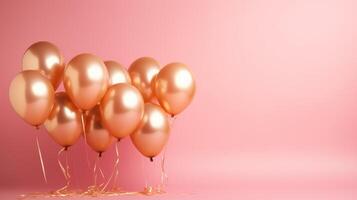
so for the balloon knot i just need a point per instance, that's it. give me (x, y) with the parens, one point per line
(66, 148)
(119, 139)
(100, 154)
(37, 127)
(151, 159)
(172, 115)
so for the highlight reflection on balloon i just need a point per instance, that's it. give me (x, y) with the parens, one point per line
(174, 87)
(142, 71)
(98, 138)
(122, 108)
(117, 73)
(153, 131)
(31, 96)
(64, 123)
(46, 58)
(86, 80)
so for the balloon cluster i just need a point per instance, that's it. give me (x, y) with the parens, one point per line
(102, 100)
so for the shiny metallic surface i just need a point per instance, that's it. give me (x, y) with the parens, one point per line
(86, 80)
(45, 57)
(142, 71)
(117, 73)
(98, 138)
(174, 87)
(64, 123)
(122, 108)
(32, 96)
(153, 131)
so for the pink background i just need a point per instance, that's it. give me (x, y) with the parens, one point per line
(276, 103)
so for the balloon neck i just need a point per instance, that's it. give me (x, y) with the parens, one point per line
(151, 159)
(172, 115)
(100, 154)
(37, 127)
(66, 148)
(119, 139)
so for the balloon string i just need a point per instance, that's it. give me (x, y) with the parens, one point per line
(115, 169)
(93, 189)
(100, 168)
(65, 170)
(148, 189)
(41, 159)
(102, 174)
(164, 176)
(95, 171)
(82, 120)
(115, 185)
(85, 138)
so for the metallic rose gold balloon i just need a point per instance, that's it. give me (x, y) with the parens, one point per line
(85, 80)
(32, 96)
(174, 87)
(142, 72)
(122, 108)
(117, 73)
(98, 138)
(64, 123)
(153, 131)
(45, 57)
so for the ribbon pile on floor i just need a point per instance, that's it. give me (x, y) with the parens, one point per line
(102, 101)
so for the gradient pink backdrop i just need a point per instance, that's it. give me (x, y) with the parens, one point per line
(276, 101)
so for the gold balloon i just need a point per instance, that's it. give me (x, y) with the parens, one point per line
(142, 71)
(153, 131)
(117, 73)
(122, 108)
(98, 138)
(31, 96)
(174, 87)
(64, 123)
(85, 80)
(45, 57)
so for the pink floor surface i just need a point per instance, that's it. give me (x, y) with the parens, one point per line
(252, 194)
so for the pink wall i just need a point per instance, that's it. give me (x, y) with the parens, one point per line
(276, 101)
